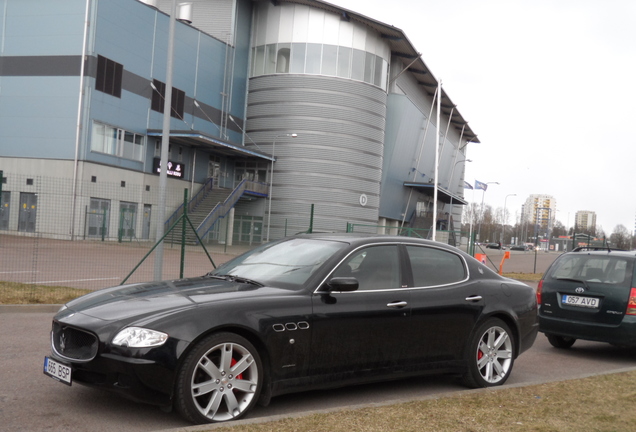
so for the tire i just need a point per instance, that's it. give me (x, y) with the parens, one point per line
(490, 355)
(220, 379)
(560, 341)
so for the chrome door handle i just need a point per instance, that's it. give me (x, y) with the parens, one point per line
(398, 304)
(473, 298)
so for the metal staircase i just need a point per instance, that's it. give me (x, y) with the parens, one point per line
(211, 204)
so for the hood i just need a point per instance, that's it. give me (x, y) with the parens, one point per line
(138, 300)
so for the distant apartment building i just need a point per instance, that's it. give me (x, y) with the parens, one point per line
(539, 210)
(585, 220)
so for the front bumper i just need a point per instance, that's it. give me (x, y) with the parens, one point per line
(146, 377)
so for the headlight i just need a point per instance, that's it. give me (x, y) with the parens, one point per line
(137, 337)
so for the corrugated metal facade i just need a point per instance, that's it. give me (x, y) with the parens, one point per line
(337, 156)
(214, 17)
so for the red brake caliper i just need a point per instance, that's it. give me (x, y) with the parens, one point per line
(232, 363)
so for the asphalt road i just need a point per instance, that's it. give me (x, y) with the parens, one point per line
(30, 401)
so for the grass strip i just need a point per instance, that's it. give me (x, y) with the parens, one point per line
(20, 293)
(598, 403)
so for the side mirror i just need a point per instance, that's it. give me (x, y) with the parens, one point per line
(342, 284)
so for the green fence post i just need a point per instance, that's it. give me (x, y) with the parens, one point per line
(121, 223)
(104, 225)
(183, 231)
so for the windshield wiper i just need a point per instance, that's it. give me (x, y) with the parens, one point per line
(238, 279)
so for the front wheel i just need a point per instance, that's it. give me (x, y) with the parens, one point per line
(490, 355)
(219, 380)
(560, 341)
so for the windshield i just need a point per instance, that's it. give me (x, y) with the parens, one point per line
(594, 268)
(285, 264)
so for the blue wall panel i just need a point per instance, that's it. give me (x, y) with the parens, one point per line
(38, 116)
(124, 33)
(35, 27)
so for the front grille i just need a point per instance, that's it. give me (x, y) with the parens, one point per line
(72, 343)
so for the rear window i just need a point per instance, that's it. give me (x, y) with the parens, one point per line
(613, 270)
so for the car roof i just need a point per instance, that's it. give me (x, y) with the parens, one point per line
(362, 238)
(605, 252)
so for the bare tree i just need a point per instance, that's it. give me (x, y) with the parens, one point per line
(621, 238)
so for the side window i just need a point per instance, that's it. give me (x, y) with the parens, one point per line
(375, 268)
(433, 266)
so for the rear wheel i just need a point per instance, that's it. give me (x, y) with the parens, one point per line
(560, 341)
(490, 355)
(220, 379)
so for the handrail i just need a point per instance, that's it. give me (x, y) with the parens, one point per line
(222, 209)
(193, 203)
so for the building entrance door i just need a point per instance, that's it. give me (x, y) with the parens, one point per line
(5, 210)
(248, 230)
(98, 218)
(127, 220)
(145, 227)
(28, 212)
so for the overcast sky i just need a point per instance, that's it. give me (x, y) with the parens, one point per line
(549, 86)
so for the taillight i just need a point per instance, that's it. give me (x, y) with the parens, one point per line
(540, 288)
(631, 304)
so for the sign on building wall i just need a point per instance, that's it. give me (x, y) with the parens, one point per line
(175, 169)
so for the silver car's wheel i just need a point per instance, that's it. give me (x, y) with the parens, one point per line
(490, 355)
(220, 379)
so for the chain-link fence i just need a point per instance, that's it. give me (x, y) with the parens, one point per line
(88, 235)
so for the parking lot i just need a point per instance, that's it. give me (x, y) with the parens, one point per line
(31, 401)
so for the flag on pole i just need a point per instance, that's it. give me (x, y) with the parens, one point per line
(480, 185)
(467, 185)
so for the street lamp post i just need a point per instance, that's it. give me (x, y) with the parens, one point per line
(503, 223)
(271, 179)
(483, 194)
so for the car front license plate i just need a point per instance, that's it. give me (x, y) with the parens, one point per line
(57, 371)
(588, 302)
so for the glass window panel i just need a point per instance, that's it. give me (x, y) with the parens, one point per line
(329, 58)
(253, 62)
(259, 61)
(377, 74)
(127, 150)
(298, 58)
(385, 74)
(138, 148)
(98, 138)
(344, 62)
(283, 57)
(369, 66)
(110, 140)
(312, 65)
(357, 66)
(270, 59)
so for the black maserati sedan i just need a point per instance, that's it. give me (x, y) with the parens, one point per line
(302, 313)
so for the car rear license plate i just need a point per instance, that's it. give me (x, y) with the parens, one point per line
(58, 371)
(588, 302)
